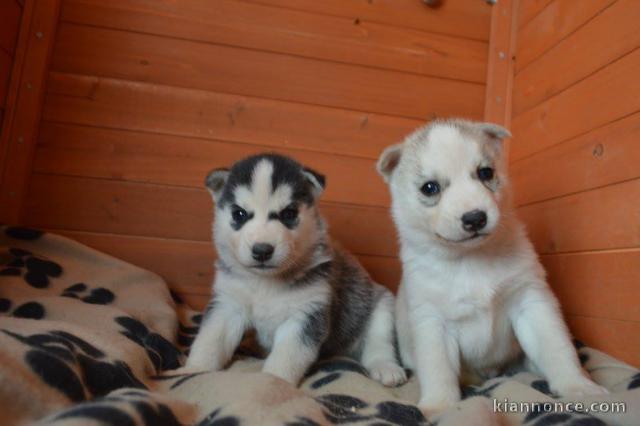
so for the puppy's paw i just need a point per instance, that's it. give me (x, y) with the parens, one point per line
(434, 404)
(580, 386)
(388, 373)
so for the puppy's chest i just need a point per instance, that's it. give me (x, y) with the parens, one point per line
(269, 304)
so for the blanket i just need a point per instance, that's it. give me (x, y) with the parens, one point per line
(87, 339)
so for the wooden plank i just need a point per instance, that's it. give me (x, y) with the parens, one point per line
(607, 37)
(139, 57)
(595, 101)
(620, 339)
(600, 219)
(10, 12)
(529, 9)
(497, 107)
(551, 25)
(596, 284)
(193, 113)
(6, 64)
(281, 30)
(26, 93)
(456, 17)
(152, 158)
(85, 204)
(602, 157)
(187, 266)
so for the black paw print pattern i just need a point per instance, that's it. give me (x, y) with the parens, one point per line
(35, 270)
(29, 310)
(97, 296)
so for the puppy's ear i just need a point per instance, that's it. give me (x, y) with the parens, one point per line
(215, 181)
(494, 131)
(318, 181)
(389, 160)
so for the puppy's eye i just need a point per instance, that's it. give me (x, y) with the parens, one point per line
(239, 214)
(485, 173)
(289, 215)
(430, 188)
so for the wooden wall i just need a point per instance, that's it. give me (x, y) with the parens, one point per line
(575, 160)
(10, 13)
(144, 97)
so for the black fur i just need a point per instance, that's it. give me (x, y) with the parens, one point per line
(316, 326)
(285, 171)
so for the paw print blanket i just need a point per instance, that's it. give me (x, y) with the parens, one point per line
(87, 339)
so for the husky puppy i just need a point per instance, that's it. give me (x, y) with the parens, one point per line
(473, 293)
(279, 273)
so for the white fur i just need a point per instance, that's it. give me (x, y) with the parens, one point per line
(466, 307)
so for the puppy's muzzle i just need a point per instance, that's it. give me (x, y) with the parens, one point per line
(474, 220)
(262, 251)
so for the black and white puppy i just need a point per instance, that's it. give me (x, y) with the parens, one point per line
(279, 273)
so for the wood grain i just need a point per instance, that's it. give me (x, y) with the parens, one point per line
(554, 23)
(608, 36)
(456, 17)
(139, 57)
(6, 63)
(502, 45)
(273, 29)
(595, 101)
(152, 158)
(596, 284)
(193, 113)
(529, 9)
(188, 265)
(619, 339)
(10, 13)
(602, 157)
(599, 219)
(86, 204)
(26, 93)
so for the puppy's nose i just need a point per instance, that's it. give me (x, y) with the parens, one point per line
(474, 220)
(262, 251)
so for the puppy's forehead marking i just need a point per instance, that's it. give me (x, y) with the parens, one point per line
(447, 151)
(261, 185)
(261, 197)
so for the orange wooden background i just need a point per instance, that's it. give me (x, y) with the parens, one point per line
(142, 97)
(10, 11)
(575, 160)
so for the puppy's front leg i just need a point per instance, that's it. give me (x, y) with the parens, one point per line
(544, 337)
(219, 336)
(296, 345)
(437, 364)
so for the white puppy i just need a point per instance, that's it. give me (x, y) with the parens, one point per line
(473, 293)
(279, 273)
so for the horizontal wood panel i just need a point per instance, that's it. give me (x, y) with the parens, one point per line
(10, 13)
(85, 204)
(596, 284)
(6, 62)
(144, 157)
(528, 9)
(620, 339)
(139, 57)
(283, 30)
(559, 19)
(457, 17)
(195, 113)
(607, 37)
(187, 266)
(593, 102)
(604, 156)
(600, 219)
